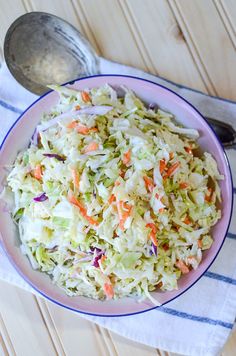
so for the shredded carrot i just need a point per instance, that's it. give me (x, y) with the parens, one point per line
(183, 185)
(162, 165)
(127, 157)
(161, 210)
(103, 258)
(85, 96)
(120, 214)
(124, 211)
(187, 220)
(159, 285)
(77, 107)
(208, 195)
(111, 199)
(126, 206)
(153, 233)
(83, 211)
(148, 183)
(199, 243)
(122, 174)
(37, 172)
(117, 183)
(93, 146)
(173, 168)
(191, 259)
(108, 289)
(72, 124)
(165, 246)
(171, 155)
(182, 266)
(75, 177)
(93, 129)
(188, 150)
(82, 129)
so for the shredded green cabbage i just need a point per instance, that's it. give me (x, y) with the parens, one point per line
(128, 201)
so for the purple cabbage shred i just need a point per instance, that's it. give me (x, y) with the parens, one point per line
(42, 197)
(55, 155)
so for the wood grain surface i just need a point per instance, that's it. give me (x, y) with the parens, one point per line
(191, 42)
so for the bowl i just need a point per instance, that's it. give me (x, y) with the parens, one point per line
(18, 138)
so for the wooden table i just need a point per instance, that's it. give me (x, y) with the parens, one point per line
(188, 41)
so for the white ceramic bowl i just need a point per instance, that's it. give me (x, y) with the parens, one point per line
(18, 138)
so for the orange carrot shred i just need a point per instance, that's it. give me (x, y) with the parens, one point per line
(82, 129)
(153, 233)
(173, 168)
(199, 243)
(83, 211)
(182, 266)
(183, 185)
(187, 220)
(188, 150)
(111, 199)
(162, 165)
(208, 195)
(37, 172)
(75, 178)
(127, 157)
(103, 258)
(72, 125)
(148, 183)
(171, 154)
(165, 246)
(93, 146)
(85, 96)
(77, 107)
(108, 289)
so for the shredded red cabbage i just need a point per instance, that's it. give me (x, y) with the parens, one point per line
(55, 155)
(154, 249)
(98, 254)
(42, 197)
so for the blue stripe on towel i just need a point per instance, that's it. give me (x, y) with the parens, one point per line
(231, 235)
(10, 107)
(220, 277)
(200, 319)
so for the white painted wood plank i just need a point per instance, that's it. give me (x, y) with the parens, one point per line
(227, 12)
(76, 333)
(230, 9)
(9, 11)
(50, 326)
(129, 347)
(3, 349)
(111, 30)
(154, 26)
(6, 338)
(230, 346)
(24, 323)
(211, 44)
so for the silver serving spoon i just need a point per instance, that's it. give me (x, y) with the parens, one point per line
(41, 48)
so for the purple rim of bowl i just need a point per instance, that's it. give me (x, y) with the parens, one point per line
(226, 231)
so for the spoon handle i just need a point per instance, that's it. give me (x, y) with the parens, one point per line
(225, 132)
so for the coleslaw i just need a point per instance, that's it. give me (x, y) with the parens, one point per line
(113, 198)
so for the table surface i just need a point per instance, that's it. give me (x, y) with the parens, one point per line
(191, 42)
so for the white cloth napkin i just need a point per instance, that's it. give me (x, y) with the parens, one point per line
(198, 322)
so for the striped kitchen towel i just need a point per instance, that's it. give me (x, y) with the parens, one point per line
(200, 320)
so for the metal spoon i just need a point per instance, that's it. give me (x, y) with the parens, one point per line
(42, 49)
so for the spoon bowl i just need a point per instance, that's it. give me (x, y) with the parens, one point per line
(42, 49)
